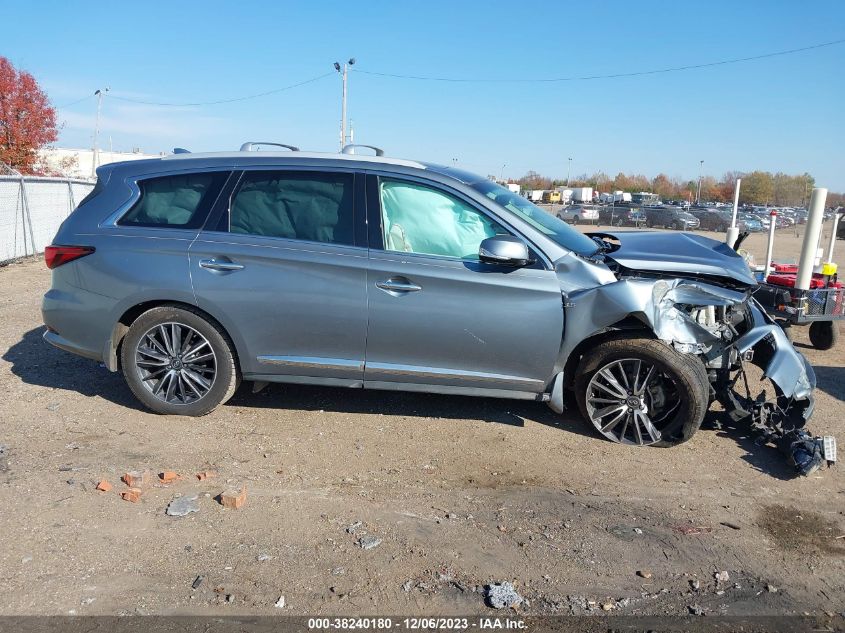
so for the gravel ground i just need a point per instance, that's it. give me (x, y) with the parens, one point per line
(375, 502)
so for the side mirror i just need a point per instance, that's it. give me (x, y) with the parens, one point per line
(506, 250)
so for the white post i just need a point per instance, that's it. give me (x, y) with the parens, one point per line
(836, 218)
(343, 109)
(812, 234)
(733, 232)
(770, 246)
(96, 158)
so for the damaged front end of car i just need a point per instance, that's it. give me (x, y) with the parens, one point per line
(717, 319)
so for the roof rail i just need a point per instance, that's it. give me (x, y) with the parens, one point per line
(249, 147)
(181, 150)
(350, 149)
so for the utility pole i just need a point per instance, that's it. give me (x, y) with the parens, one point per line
(95, 162)
(344, 72)
(568, 171)
(502, 175)
(698, 195)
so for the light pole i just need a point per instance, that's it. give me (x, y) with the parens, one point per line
(96, 158)
(698, 195)
(502, 175)
(568, 171)
(344, 72)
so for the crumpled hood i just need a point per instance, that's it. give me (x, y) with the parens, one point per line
(677, 253)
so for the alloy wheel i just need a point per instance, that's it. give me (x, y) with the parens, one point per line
(175, 363)
(630, 401)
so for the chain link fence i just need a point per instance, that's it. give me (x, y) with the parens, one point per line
(31, 210)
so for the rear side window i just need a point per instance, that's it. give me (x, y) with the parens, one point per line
(312, 206)
(181, 201)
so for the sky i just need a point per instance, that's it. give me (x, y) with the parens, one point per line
(782, 113)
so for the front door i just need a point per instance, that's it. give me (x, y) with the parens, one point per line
(279, 266)
(440, 317)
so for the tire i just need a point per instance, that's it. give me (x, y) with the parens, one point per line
(677, 395)
(198, 382)
(824, 334)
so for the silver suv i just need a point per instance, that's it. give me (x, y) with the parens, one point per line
(193, 272)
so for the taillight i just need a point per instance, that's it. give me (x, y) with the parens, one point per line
(55, 256)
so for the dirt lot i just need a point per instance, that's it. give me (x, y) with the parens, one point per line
(460, 491)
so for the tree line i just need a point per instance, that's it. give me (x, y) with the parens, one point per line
(758, 187)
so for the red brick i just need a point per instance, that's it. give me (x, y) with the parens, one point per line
(206, 474)
(137, 478)
(104, 486)
(133, 495)
(232, 499)
(168, 477)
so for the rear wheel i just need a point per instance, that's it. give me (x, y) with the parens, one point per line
(824, 334)
(177, 362)
(642, 392)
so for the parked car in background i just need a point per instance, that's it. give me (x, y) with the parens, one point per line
(711, 219)
(579, 214)
(192, 272)
(621, 214)
(749, 222)
(671, 218)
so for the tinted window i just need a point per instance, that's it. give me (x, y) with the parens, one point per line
(419, 219)
(295, 205)
(179, 201)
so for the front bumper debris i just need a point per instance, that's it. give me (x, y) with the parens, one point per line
(779, 421)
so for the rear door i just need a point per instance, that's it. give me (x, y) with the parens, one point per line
(281, 265)
(440, 319)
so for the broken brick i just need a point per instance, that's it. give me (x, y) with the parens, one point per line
(168, 477)
(136, 478)
(104, 486)
(232, 499)
(206, 474)
(133, 495)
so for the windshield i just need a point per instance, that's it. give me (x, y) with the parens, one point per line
(555, 229)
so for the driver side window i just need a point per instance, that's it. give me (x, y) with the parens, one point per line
(420, 219)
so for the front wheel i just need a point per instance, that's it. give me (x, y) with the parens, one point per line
(641, 392)
(177, 362)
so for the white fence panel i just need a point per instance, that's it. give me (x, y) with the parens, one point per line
(31, 210)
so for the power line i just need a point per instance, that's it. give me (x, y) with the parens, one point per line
(610, 76)
(73, 103)
(205, 103)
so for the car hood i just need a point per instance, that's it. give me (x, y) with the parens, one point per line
(683, 253)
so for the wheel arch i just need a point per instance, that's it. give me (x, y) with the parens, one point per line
(125, 321)
(628, 327)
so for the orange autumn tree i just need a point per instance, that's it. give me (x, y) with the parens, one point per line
(27, 120)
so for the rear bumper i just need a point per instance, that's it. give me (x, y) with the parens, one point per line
(57, 341)
(78, 321)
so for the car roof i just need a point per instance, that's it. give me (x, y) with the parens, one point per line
(239, 159)
(247, 157)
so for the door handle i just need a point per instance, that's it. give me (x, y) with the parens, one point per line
(214, 264)
(397, 285)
